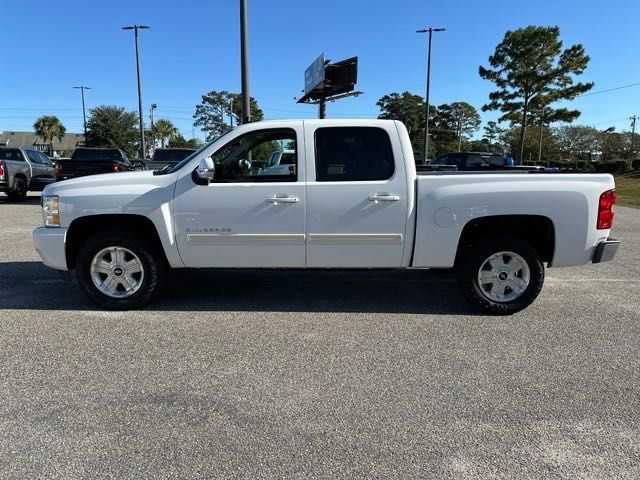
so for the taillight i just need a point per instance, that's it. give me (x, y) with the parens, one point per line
(605, 209)
(116, 167)
(1, 169)
(57, 168)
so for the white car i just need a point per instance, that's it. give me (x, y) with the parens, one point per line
(352, 200)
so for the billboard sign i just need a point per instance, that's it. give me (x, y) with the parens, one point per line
(314, 74)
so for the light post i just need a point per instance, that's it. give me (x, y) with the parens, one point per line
(460, 120)
(82, 88)
(633, 132)
(135, 29)
(426, 115)
(244, 62)
(153, 135)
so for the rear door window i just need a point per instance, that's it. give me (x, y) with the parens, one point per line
(11, 154)
(348, 154)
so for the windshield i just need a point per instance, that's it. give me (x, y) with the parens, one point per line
(97, 155)
(178, 166)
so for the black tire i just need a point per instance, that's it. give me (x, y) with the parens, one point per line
(469, 267)
(155, 268)
(19, 191)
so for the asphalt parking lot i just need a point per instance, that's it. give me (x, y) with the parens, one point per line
(318, 374)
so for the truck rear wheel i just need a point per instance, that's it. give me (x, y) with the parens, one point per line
(501, 275)
(120, 270)
(19, 191)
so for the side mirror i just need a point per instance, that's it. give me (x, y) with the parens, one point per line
(206, 170)
(244, 166)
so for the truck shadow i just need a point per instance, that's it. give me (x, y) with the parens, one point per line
(30, 200)
(31, 286)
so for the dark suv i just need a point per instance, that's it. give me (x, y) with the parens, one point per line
(470, 161)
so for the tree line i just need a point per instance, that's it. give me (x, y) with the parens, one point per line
(532, 73)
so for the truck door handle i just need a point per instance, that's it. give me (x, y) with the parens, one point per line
(383, 197)
(282, 198)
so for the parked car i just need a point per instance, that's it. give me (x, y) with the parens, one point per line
(92, 161)
(163, 157)
(22, 170)
(280, 162)
(354, 200)
(475, 161)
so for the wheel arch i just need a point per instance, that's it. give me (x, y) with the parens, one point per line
(82, 228)
(21, 176)
(538, 230)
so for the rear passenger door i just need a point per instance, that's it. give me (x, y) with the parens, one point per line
(357, 205)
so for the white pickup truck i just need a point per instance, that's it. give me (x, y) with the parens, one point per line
(353, 201)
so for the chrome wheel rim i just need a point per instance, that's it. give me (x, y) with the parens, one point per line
(504, 277)
(117, 272)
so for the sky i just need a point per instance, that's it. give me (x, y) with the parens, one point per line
(193, 47)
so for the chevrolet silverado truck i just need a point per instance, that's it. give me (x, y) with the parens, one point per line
(352, 201)
(23, 170)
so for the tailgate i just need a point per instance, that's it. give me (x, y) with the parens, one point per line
(81, 168)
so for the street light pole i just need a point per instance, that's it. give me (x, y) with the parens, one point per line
(460, 120)
(82, 88)
(426, 114)
(633, 132)
(153, 135)
(135, 29)
(244, 61)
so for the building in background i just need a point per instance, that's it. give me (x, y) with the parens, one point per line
(31, 140)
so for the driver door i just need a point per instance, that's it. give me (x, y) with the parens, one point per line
(245, 217)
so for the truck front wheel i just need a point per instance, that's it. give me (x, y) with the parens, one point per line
(501, 275)
(19, 191)
(120, 270)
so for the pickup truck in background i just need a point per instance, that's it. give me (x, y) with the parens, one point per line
(23, 170)
(353, 200)
(280, 162)
(92, 161)
(163, 157)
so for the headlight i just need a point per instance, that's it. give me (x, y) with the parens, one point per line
(50, 210)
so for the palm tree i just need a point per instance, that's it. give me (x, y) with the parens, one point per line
(49, 127)
(164, 131)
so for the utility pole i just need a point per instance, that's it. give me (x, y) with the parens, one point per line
(633, 132)
(426, 114)
(82, 88)
(135, 29)
(244, 62)
(153, 135)
(541, 130)
(231, 112)
(460, 120)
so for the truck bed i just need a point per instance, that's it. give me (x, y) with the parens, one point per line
(447, 201)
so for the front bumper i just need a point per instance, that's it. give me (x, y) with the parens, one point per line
(606, 250)
(50, 245)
